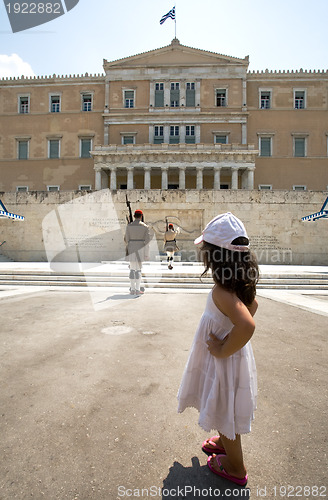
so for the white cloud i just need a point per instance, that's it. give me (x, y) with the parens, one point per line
(14, 66)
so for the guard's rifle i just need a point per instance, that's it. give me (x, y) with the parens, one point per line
(129, 218)
(167, 224)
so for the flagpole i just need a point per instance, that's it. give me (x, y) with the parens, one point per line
(175, 20)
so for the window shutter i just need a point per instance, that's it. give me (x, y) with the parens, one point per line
(190, 98)
(265, 146)
(54, 149)
(300, 147)
(85, 148)
(159, 98)
(23, 150)
(175, 96)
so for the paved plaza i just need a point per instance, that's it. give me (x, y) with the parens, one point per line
(88, 400)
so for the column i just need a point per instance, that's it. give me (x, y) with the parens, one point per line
(197, 93)
(152, 94)
(130, 178)
(98, 180)
(113, 184)
(197, 133)
(166, 134)
(106, 134)
(182, 177)
(244, 93)
(250, 178)
(182, 93)
(244, 133)
(107, 96)
(217, 177)
(147, 180)
(151, 134)
(101, 178)
(234, 177)
(199, 184)
(167, 94)
(165, 177)
(182, 131)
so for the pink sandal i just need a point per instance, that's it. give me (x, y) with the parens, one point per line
(224, 474)
(215, 448)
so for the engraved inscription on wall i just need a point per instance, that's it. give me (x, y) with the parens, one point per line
(260, 242)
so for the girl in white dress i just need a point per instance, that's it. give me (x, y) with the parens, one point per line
(220, 375)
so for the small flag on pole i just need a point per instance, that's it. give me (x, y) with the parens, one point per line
(170, 14)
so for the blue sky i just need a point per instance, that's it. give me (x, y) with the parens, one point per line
(281, 34)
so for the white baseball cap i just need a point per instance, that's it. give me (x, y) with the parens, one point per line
(222, 230)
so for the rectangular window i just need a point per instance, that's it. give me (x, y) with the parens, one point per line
(158, 134)
(85, 187)
(299, 99)
(86, 102)
(265, 187)
(24, 105)
(53, 188)
(53, 148)
(129, 98)
(86, 146)
(221, 139)
(22, 150)
(174, 134)
(190, 134)
(265, 99)
(54, 104)
(175, 95)
(21, 189)
(265, 146)
(159, 95)
(221, 97)
(299, 188)
(128, 139)
(190, 95)
(299, 147)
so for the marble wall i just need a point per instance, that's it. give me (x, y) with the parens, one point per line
(79, 226)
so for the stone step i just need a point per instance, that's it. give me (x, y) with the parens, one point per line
(150, 282)
(165, 274)
(185, 275)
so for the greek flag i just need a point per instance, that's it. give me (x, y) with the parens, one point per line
(170, 14)
(4, 213)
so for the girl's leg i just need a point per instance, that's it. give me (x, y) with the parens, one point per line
(232, 462)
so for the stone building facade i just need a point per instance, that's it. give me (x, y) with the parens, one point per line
(171, 118)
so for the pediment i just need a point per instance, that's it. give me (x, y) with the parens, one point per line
(175, 54)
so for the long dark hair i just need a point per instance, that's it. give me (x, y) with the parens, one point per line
(236, 272)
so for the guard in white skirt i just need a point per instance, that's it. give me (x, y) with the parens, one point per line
(170, 244)
(137, 238)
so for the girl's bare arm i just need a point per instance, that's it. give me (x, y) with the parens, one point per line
(242, 319)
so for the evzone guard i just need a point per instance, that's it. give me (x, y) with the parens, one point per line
(170, 243)
(137, 238)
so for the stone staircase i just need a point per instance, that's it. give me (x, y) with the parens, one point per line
(184, 276)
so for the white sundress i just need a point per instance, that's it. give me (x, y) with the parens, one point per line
(224, 391)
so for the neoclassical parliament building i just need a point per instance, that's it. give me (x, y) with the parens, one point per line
(171, 118)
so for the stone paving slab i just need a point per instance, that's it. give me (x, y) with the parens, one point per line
(88, 400)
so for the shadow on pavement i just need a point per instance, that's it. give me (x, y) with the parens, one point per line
(198, 482)
(119, 297)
